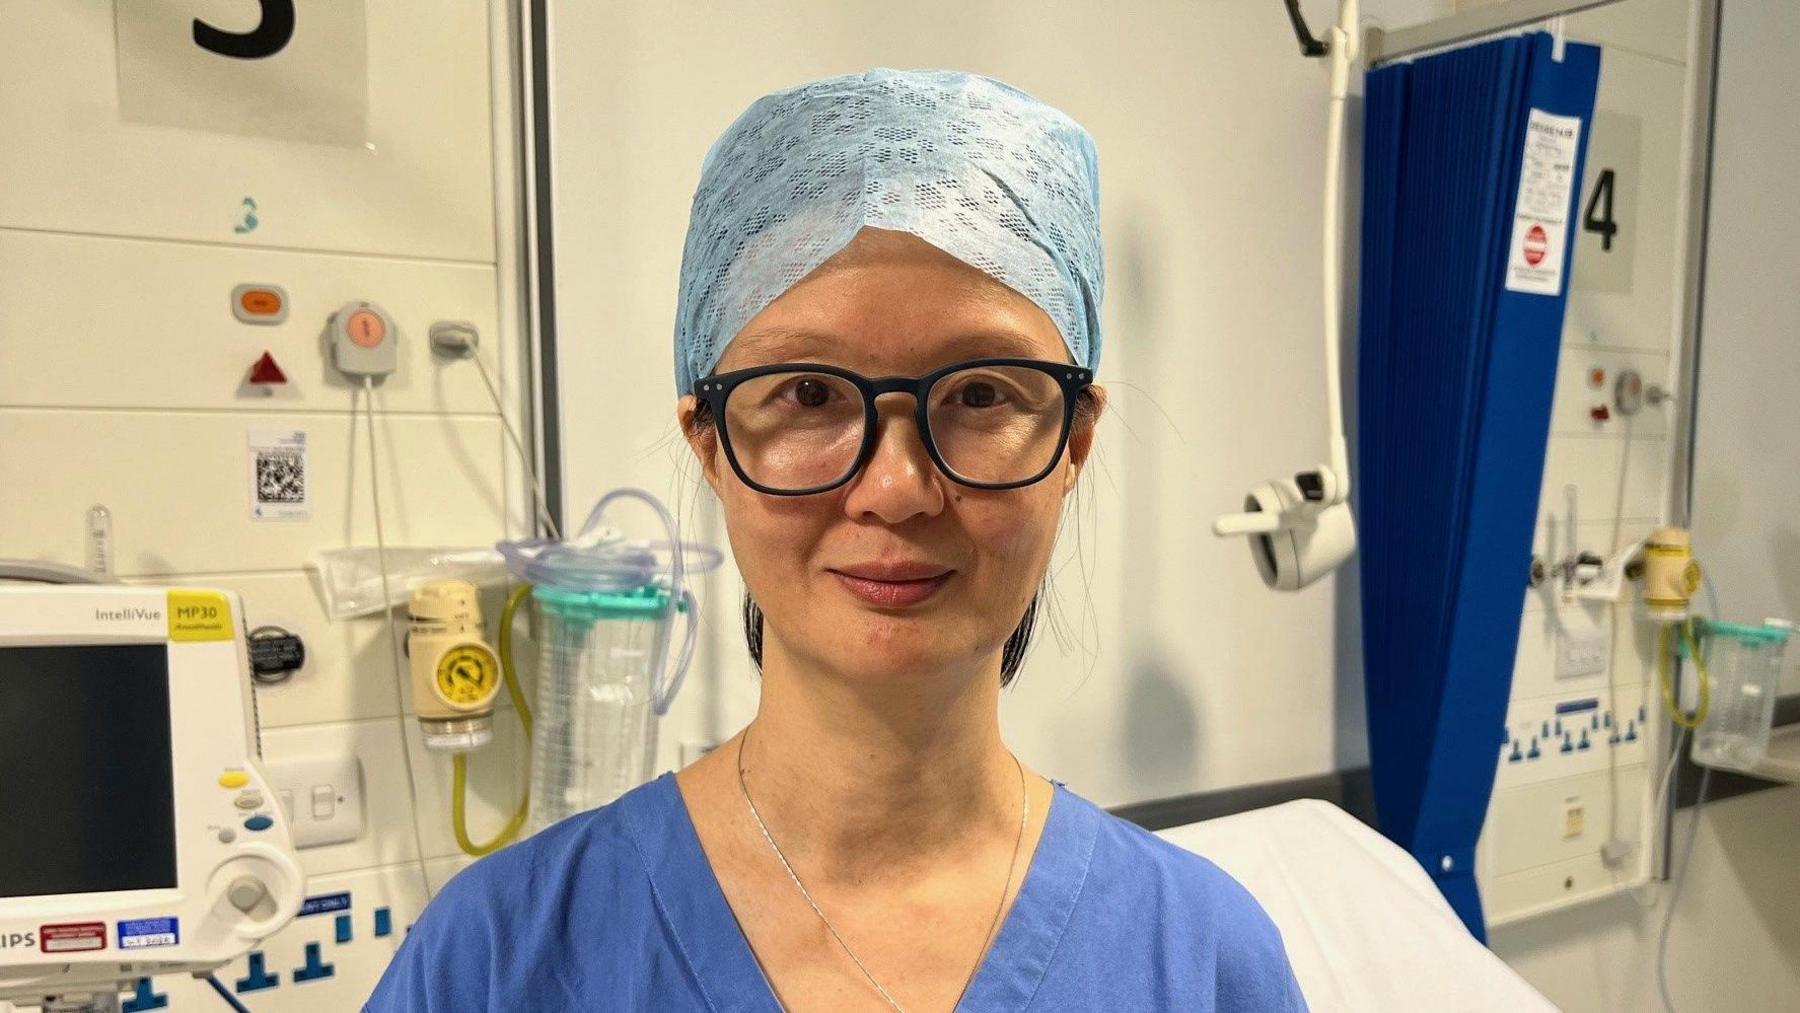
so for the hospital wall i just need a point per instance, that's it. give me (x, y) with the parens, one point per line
(1734, 943)
(1175, 671)
(1178, 671)
(125, 224)
(1166, 668)
(1582, 742)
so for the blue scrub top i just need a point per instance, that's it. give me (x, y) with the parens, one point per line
(618, 909)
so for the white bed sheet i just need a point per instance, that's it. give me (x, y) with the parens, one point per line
(1364, 927)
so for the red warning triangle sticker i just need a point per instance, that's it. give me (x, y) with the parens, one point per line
(266, 371)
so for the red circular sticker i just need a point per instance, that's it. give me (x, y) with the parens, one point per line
(1536, 242)
(366, 328)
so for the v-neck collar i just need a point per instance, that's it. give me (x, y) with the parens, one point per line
(726, 972)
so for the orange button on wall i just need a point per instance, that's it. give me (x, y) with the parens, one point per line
(260, 302)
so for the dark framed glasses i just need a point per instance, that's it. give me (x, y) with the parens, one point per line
(798, 428)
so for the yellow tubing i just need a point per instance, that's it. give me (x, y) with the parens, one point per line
(1667, 683)
(459, 774)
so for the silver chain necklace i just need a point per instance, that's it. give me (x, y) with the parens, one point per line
(1024, 815)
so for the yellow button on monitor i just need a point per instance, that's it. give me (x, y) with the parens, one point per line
(233, 779)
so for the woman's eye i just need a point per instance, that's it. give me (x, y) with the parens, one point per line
(978, 394)
(811, 393)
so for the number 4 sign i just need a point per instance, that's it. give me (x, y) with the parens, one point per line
(1606, 245)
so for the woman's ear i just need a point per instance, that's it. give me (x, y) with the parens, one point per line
(702, 435)
(1081, 433)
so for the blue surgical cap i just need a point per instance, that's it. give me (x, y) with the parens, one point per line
(971, 165)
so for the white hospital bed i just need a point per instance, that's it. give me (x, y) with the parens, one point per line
(1365, 930)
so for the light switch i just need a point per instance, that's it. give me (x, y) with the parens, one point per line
(322, 796)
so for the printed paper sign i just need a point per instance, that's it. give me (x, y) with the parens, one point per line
(278, 475)
(1607, 234)
(279, 68)
(1540, 233)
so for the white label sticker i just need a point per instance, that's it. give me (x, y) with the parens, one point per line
(278, 486)
(1540, 233)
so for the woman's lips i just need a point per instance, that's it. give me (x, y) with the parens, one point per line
(892, 592)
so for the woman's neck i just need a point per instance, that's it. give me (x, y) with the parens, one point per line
(870, 781)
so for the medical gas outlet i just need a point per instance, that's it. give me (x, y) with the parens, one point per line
(455, 674)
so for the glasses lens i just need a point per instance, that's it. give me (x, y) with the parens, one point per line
(792, 431)
(996, 424)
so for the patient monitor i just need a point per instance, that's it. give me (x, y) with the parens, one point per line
(137, 835)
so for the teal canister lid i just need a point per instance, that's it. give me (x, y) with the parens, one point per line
(646, 602)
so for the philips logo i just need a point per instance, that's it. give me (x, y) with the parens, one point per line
(9, 940)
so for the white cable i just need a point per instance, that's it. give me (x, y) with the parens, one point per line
(1334, 161)
(1659, 799)
(525, 461)
(1612, 640)
(1343, 52)
(1662, 939)
(387, 597)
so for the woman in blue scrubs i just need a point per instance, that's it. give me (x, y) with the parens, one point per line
(885, 341)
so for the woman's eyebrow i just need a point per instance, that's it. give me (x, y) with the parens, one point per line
(995, 344)
(789, 344)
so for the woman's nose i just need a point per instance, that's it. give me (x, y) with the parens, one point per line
(899, 482)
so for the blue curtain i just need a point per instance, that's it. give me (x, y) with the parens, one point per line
(1461, 320)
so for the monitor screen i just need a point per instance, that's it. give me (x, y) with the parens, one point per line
(87, 788)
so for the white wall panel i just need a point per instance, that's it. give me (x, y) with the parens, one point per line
(1534, 666)
(1571, 411)
(496, 778)
(345, 677)
(1644, 95)
(1658, 29)
(1595, 466)
(419, 184)
(123, 230)
(387, 837)
(178, 486)
(101, 322)
(1621, 316)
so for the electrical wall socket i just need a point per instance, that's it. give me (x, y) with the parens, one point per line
(322, 797)
(1579, 654)
(1581, 645)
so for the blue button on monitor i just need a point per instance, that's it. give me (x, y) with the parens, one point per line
(258, 823)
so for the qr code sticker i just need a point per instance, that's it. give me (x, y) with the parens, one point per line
(280, 477)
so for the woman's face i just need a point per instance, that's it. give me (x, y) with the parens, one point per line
(901, 572)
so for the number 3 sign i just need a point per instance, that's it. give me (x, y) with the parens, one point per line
(267, 68)
(270, 36)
